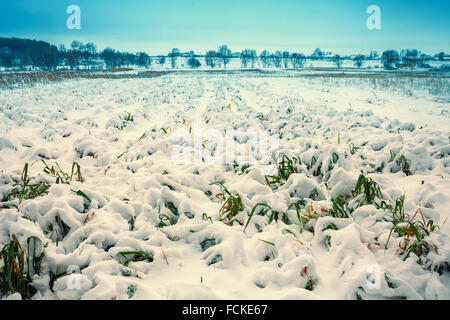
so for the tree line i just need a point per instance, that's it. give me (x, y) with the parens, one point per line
(23, 53)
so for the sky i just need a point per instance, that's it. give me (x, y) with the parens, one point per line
(200, 25)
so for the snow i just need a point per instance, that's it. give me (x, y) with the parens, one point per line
(134, 184)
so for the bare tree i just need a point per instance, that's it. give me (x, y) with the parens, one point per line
(337, 60)
(277, 58)
(297, 60)
(411, 57)
(265, 58)
(77, 45)
(6, 57)
(389, 57)
(248, 56)
(174, 56)
(90, 51)
(161, 60)
(245, 58)
(359, 59)
(286, 59)
(110, 57)
(91, 48)
(211, 59)
(225, 54)
(318, 54)
(143, 59)
(192, 61)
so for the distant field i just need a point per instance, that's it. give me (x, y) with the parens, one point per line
(10, 80)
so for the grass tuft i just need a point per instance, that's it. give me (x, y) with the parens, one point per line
(285, 168)
(26, 189)
(13, 278)
(125, 257)
(232, 203)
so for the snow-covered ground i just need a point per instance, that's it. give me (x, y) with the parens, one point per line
(134, 195)
(236, 64)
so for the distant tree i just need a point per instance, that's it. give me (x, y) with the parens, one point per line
(45, 56)
(211, 59)
(143, 59)
(248, 56)
(75, 54)
(126, 59)
(89, 51)
(24, 53)
(111, 58)
(252, 56)
(6, 57)
(91, 48)
(297, 60)
(174, 56)
(317, 54)
(411, 57)
(79, 54)
(388, 58)
(52, 59)
(72, 59)
(359, 59)
(424, 57)
(277, 58)
(245, 58)
(286, 58)
(264, 56)
(225, 54)
(192, 61)
(161, 60)
(337, 60)
(77, 45)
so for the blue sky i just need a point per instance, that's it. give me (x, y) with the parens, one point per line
(199, 25)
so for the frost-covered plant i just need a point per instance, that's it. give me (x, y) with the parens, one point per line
(164, 220)
(253, 212)
(302, 219)
(27, 190)
(241, 168)
(275, 215)
(126, 257)
(13, 277)
(125, 121)
(131, 291)
(404, 163)
(205, 217)
(413, 233)
(366, 187)
(369, 188)
(61, 176)
(340, 209)
(285, 167)
(353, 149)
(232, 203)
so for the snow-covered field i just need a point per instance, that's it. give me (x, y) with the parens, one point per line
(132, 194)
